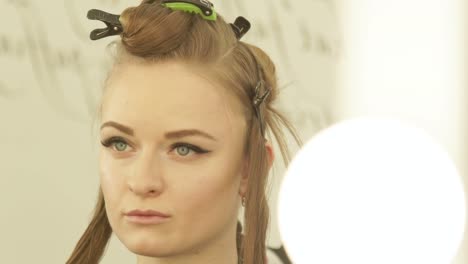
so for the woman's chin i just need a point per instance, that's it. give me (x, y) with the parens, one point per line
(154, 250)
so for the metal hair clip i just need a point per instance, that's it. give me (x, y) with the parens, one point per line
(240, 27)
(114, 27)
(201, 7)
(258, 100)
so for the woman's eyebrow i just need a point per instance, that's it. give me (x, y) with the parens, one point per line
(125, 129)
(188, 132)
(167, 135)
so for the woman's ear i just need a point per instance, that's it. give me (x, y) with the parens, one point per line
(271, 153)
(245, 167)
(244, 178)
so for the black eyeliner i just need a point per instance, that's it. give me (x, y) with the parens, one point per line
(193, 147)
(108, 142)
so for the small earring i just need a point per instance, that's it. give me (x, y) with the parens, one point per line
(243, 201)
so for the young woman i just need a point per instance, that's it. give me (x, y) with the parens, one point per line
(184, 120)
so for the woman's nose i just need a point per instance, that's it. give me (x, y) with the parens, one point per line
(146, 175)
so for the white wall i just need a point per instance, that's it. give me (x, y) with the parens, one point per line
(50, 77)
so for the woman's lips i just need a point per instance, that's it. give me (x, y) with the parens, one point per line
(148, 219)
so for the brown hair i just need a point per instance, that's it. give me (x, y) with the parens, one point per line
(153, 33)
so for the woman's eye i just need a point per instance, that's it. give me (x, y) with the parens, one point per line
(183, 149)
(120, 146)
(117, 143)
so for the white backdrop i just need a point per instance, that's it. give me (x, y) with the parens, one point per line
(50, 78)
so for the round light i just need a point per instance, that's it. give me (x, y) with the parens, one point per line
(371, 191)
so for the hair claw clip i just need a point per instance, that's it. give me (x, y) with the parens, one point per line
(201, 7)
(114, 27)
(258, 100)
(240, 27)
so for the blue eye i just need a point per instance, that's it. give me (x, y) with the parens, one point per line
(183, 149)
(119, 143)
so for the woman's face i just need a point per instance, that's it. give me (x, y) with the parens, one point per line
(174, 145)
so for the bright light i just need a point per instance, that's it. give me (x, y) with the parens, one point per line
(371, 191)
(404, 59)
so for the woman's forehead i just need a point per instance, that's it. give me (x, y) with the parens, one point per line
(168, 94)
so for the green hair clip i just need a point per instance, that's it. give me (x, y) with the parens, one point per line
(201, 7)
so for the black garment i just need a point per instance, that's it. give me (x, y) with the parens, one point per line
(281, 253)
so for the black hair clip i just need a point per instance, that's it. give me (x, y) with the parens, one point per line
(258, 100)
(114, 27)
(240, 27)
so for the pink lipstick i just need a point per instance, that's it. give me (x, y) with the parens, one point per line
(146, 217)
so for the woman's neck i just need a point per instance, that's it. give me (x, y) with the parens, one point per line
(222, 251)
(222, 256)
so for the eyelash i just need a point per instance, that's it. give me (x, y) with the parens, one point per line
(109, 142)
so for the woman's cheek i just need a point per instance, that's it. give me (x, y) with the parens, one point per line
(204, 196)
(109, 179)
(104, 171)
